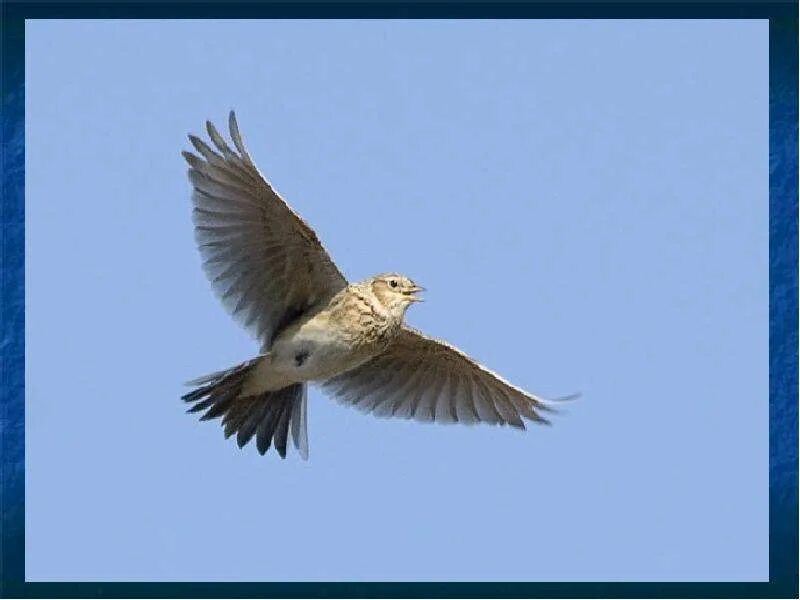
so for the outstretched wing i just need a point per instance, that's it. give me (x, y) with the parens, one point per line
(428, 380)
(264, 262)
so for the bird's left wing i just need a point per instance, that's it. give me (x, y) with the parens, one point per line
(264, 262)
(429, 380)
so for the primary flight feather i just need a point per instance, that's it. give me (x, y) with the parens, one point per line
(272, 273)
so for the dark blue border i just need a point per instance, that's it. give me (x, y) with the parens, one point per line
(12, 307)
(416, 9)
(783, 474)
(783, 525)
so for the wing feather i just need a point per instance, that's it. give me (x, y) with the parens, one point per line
(443, 409)
(465, 407)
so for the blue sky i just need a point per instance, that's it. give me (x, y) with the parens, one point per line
(586, 203)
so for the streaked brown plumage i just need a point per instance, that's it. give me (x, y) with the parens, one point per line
(273, 274)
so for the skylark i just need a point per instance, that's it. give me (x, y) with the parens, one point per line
(273, 274)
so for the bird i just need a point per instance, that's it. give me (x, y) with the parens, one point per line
(272, 273)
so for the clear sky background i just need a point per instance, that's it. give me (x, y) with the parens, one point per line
(587, 204)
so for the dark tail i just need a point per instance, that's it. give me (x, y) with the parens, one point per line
(268, 416)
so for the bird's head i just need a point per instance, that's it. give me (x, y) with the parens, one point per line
(396, 292)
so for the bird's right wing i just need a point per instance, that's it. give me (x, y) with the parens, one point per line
(429, 380)
(264, 262)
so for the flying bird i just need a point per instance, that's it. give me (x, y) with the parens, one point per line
(275, 277)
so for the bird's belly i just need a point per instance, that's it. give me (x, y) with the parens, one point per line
(313, 350)
(314, 355)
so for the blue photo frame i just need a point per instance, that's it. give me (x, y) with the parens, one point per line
(783, 307)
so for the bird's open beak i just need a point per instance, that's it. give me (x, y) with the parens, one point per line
(411, 293)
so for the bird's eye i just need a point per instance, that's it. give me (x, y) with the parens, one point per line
(393, 283)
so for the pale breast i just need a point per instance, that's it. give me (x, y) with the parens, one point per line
(359, 317)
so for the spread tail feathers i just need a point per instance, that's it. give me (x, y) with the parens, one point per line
(268, 416)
